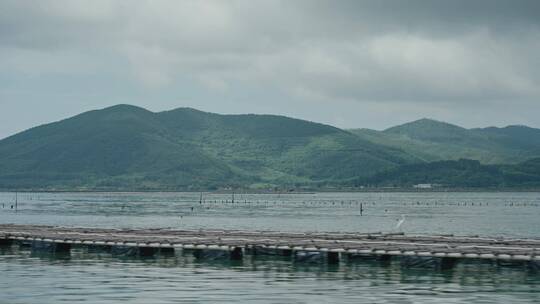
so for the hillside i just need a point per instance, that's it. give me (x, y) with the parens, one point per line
(126, 147)
(432, 140)
(462, 173)
(129, 148)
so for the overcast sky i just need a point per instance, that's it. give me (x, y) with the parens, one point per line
(351, 64)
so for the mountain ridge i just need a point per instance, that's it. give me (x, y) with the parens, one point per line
(123, 146)
(128, 147)
(434, 140)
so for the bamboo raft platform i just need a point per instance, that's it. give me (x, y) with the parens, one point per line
(237, 243)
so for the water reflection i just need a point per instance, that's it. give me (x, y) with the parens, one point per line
(105, 278)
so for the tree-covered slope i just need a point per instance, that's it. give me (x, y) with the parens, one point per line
(281, 150)
(462, 173)
(119, 146)
(126, 147)
(129, 148)
(432, 140)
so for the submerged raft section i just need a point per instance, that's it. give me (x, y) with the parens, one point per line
(446, 250)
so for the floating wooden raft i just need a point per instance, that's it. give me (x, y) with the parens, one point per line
(381, 244)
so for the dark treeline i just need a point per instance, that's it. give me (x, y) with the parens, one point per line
(463, 173)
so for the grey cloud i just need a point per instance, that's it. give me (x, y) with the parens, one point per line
(326, 53)
(438, 17)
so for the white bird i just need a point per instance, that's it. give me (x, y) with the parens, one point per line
(400, 222)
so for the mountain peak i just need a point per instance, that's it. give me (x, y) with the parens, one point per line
(428, 120)
(430, 130)
(185, 109)
(123, 108)
(423, 123)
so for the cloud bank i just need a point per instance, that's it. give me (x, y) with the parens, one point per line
(350, 63)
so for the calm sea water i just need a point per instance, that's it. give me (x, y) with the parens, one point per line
(93, 277)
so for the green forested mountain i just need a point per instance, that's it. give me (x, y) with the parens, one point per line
(126, 147)
(129, 148)
(432, 140)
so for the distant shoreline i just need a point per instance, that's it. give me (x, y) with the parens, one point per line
(290, 191)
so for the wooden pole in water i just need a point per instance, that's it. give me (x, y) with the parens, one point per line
(361, 209)
(16, 201)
